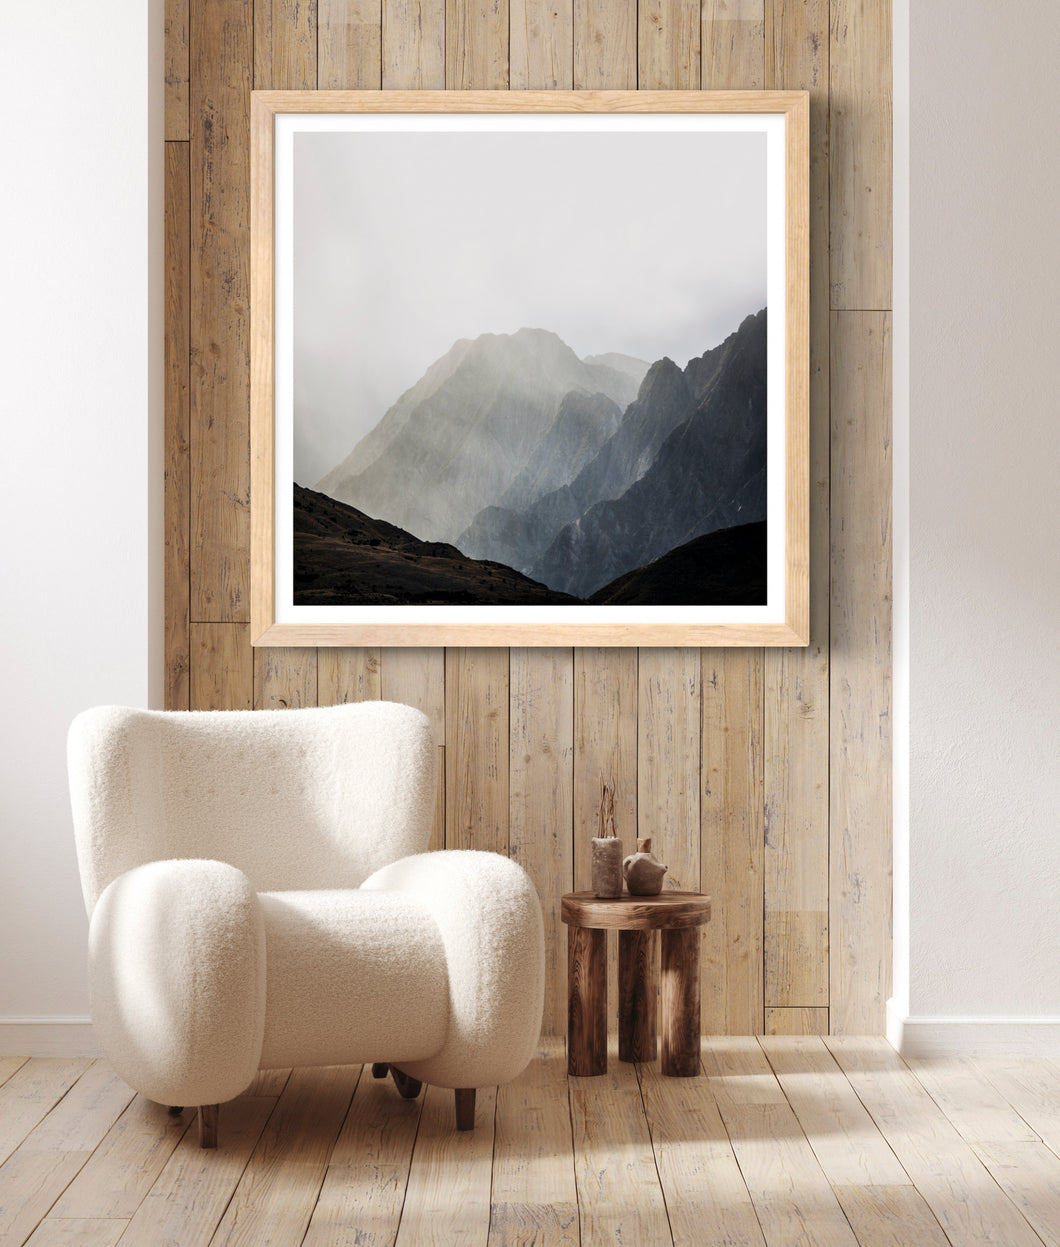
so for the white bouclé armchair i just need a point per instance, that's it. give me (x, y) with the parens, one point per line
(259, 897)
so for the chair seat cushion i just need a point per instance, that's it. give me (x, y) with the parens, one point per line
(352, 976)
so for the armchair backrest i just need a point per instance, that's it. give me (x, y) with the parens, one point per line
(296, 799)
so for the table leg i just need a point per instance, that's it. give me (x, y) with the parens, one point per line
(636, 996)
(680, 1002)
(586, 1001)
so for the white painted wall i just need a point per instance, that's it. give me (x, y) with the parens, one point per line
(984, 519)
(80, 355)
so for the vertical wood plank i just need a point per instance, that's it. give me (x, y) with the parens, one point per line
(605, 45)
(860, 145)
(285, 678)
(285, 45)
(796, 680)
(177, 489)
(541, 47)
(605, 750)
(178, 71)
(221, 42)
(413, 45)
(476, 752)
(350, 45)
(222, 667)
(349, 673)
(668, 745)
(285, 59)
(416, 677)
(860, 773)
(796, 1022)
(668, 33)
(541, 807)
(476, 45)
(732, 851)
(733, 45)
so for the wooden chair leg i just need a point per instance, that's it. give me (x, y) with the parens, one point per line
(207, 1125)
(465, 1108)
(409, 1088)
(380, 1069)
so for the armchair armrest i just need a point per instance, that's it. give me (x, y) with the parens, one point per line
(177, 980)
(489, 916)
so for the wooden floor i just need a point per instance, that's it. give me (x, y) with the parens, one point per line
(779, 1141)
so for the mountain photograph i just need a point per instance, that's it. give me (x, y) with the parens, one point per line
(598, 437)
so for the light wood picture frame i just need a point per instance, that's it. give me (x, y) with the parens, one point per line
(361, 163)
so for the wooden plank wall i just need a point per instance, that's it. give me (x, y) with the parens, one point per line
(763, 775)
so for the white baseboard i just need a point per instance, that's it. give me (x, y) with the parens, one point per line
(48, 1036)
(975, 1037)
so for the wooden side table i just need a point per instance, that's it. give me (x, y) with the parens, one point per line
(679, 915)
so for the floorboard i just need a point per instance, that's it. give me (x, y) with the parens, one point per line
(779, 1141)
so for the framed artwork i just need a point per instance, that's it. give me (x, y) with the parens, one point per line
(530, 368)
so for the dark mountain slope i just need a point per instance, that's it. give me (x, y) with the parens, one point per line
(343, 557)
(726, 568)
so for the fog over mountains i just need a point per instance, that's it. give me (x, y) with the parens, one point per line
(573, 472)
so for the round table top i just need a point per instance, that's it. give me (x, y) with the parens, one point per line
(667, 911)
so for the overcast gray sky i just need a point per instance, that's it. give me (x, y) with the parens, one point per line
(650, 244)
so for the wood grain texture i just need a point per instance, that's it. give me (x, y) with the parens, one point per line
(126, 1164)
(476, 45)
(361, 1202)
(349, 41)
(844, 1139)
(605, 45)
(178, 71)
(84, 1115)
(278, 1191)
(668, 910)
(222, 667)
(30, 1093)
(348, 674)
(416, 677)
(619, 1197)
(797, 679)
(534, 1197)
(30, 1182)
(945, 1170)
(732, 840)
(1032, 1088)
(668, 726)
(668, 33)
(733, 45)
(413, 48)
(77, 1232)
(679, 1027)
(860, 713)
(284, 679)
(744, 43)
(10, 1065)
(890, 1216)
(796, 1022)
(541, 45)
(177, 488)
(476, 754)
(285, 45)
(221, 50)
(190, 1195)
(860, 160)
(791, 1195)
(638, 997)
(972, 1103)
(586, 1001)
(541, 796)
(448, 1196)
(1029, 1174)
(706, 1198)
